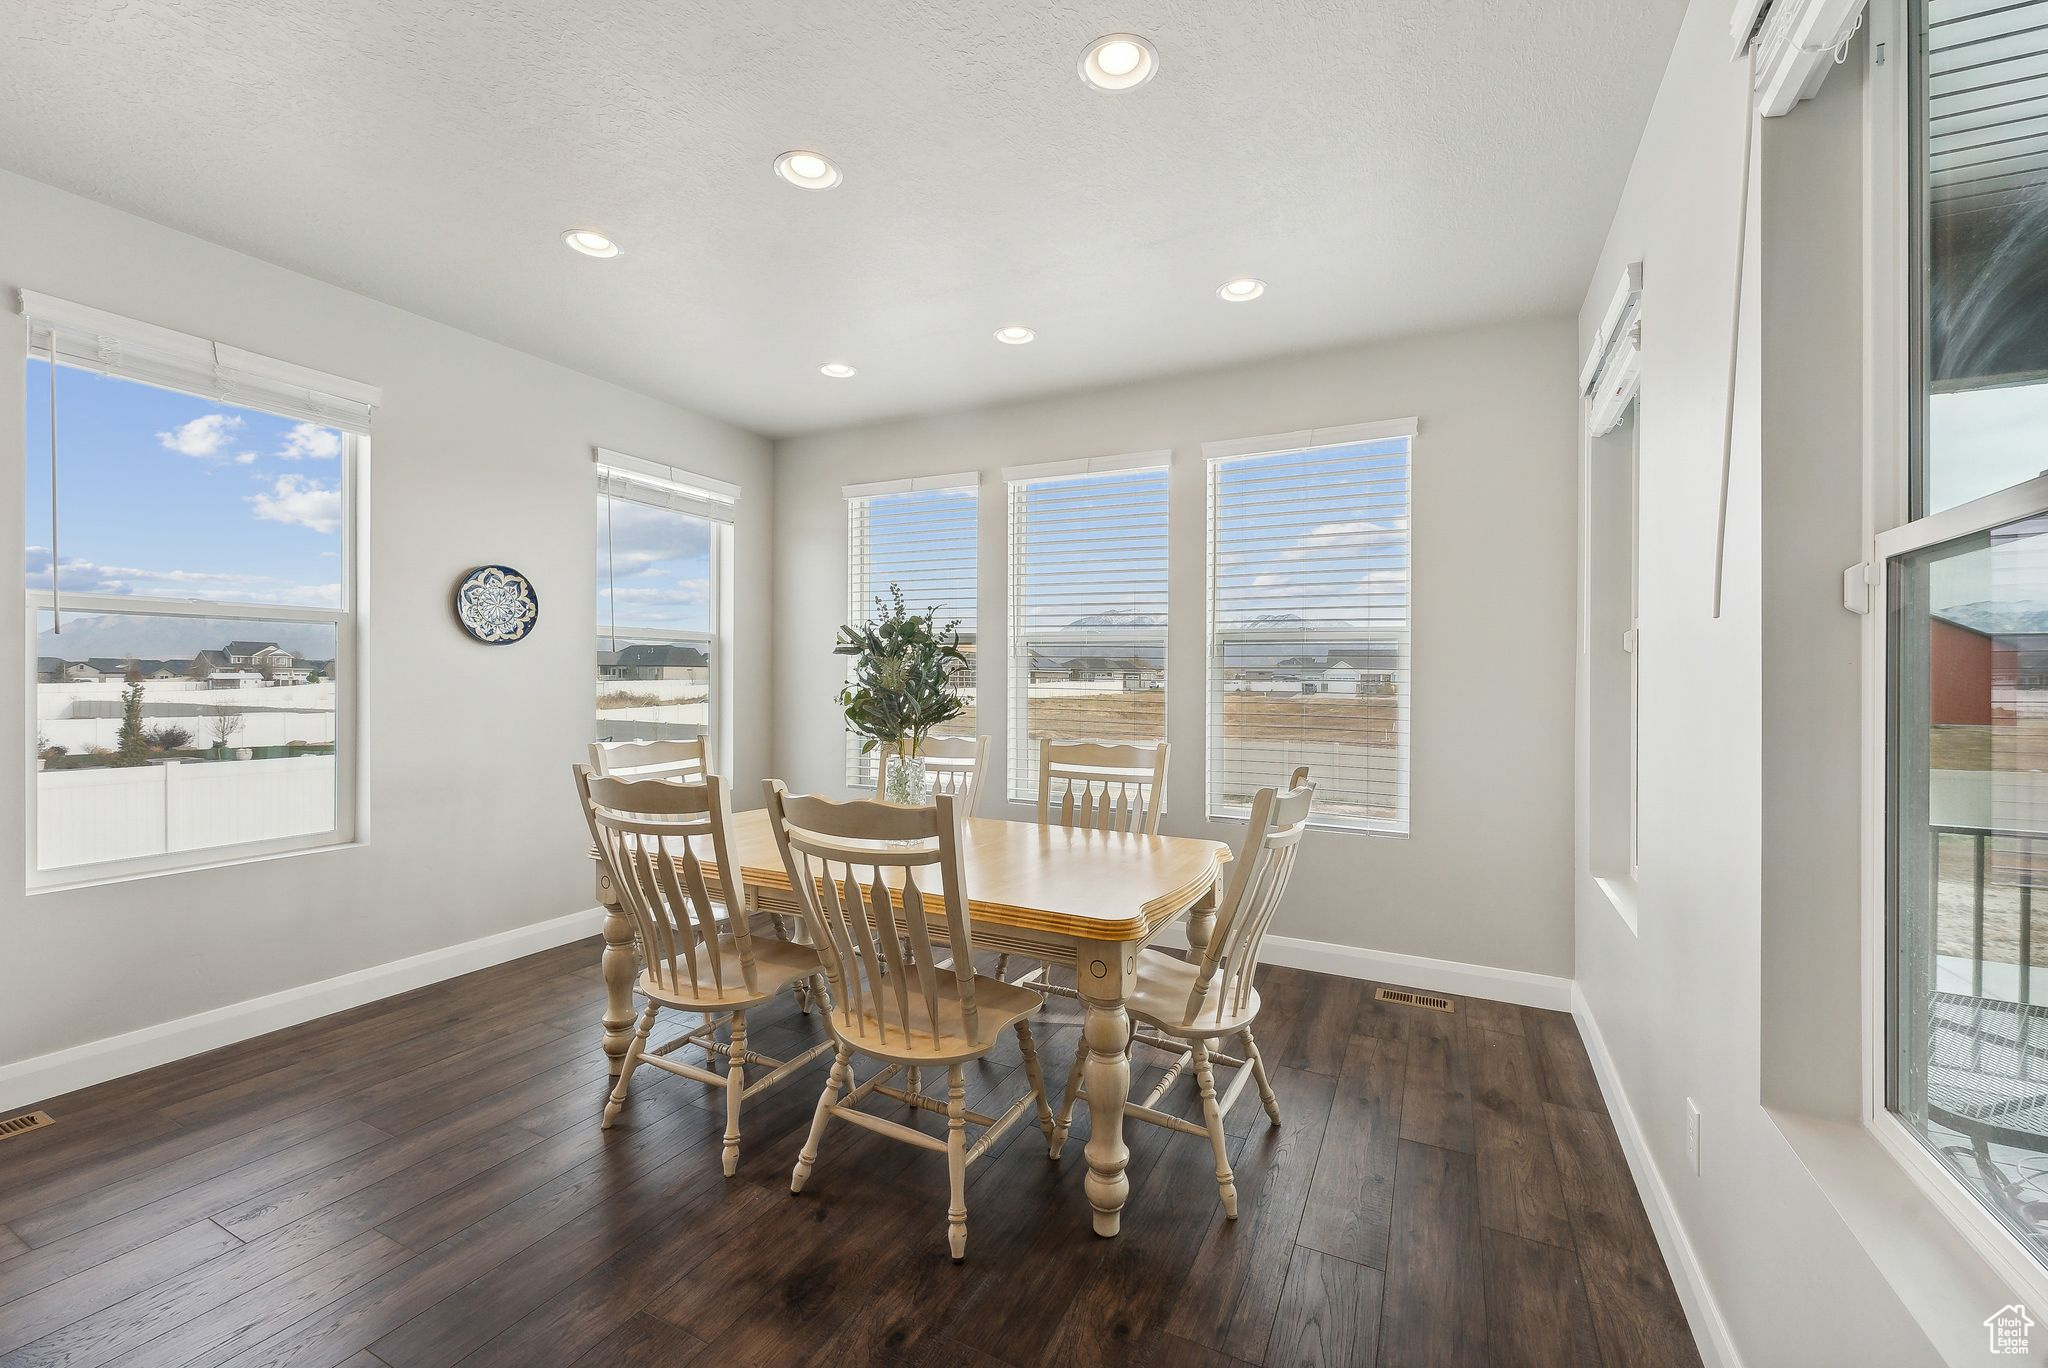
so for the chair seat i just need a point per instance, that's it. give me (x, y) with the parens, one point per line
(777, 964)
(998, 1006)
(1160, 999)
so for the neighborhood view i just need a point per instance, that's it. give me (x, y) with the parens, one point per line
(157, 734)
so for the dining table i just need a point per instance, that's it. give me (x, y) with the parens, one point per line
(1087, 900)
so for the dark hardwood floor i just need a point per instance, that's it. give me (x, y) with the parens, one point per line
(423, 1181)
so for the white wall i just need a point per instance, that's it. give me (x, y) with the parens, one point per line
(1485, 876)
(480, 454)
(1738, 987)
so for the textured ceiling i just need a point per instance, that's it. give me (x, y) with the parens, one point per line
(1387, 165)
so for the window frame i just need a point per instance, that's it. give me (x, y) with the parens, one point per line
(1893, 442)
(718, 508)
(1021, 784)
(861, 775)
(1215, 456)
(1617, 883)
(350, 818)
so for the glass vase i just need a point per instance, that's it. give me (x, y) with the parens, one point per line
(906, 782)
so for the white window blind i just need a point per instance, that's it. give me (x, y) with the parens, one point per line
(919, 535)
(1309, 597)
(93, 339)
(1087, 605)
(663, 551)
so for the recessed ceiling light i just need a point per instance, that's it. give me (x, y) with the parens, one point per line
(838, 370)
(1241, 290)
(1119, 61)
(809, 170)
(590, 242)
(1015, 335)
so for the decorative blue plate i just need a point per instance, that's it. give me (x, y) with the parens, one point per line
(497, 605)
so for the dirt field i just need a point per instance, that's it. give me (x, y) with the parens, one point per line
(1343, 719)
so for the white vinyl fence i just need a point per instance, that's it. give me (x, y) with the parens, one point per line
(87, 816)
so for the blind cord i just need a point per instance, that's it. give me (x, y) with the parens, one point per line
(611, 576)
(1734, 333)
(56, 613)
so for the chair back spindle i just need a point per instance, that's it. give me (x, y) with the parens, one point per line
(1258, 880)
(651, 834)
(874, 880)
(955, 764)
(688, 759)
(1102, 786)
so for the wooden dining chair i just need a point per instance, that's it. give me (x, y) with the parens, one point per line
(1103, 786)
(696, 961)
(688, 759)
(1190, 1004)
(955, 764)
(875, 882)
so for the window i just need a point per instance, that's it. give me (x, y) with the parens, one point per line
(664, 540)
(1612, 649)
(1309, 621)
(921, 536)
(1087, 606)
(1965, 597)
(190, 579)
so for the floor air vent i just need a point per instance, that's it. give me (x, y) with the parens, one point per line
(1429, 1000)
(23, 1124)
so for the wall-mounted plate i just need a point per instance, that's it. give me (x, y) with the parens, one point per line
(497, 605)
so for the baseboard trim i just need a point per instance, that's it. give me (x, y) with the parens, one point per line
(80, 1066)
(1709, 1327)
(1408, 971)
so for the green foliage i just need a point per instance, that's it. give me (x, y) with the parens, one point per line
(132, 741)
(903, 669)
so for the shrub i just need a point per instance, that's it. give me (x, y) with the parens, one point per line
(167, 738)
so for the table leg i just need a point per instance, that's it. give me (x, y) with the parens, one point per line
(1201, 921)
(1104, 976)
(619, 970)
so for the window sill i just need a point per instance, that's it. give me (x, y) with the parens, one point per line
(58, 882)
(1921, 1250)
(1621, 895)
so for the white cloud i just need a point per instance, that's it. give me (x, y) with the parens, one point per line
(90, 577)
(309, 441)
(203, 437)
(301, 500)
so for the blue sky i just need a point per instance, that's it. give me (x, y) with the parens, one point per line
(169, 495)
(653, 570)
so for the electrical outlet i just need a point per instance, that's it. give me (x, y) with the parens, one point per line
(1692, 1135)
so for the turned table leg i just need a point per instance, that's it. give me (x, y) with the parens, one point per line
(619, 971)
(1201, 922)
(1104, 973)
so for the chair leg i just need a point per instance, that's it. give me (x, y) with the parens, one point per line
(913, 1082)
(1066, 1117)
(1251, 1053)
(626, 1066)
(1029, 1047)
(834, 1081)
(1205, 1079)
(956, 1160)
(735, 1090)
(1002, 966)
